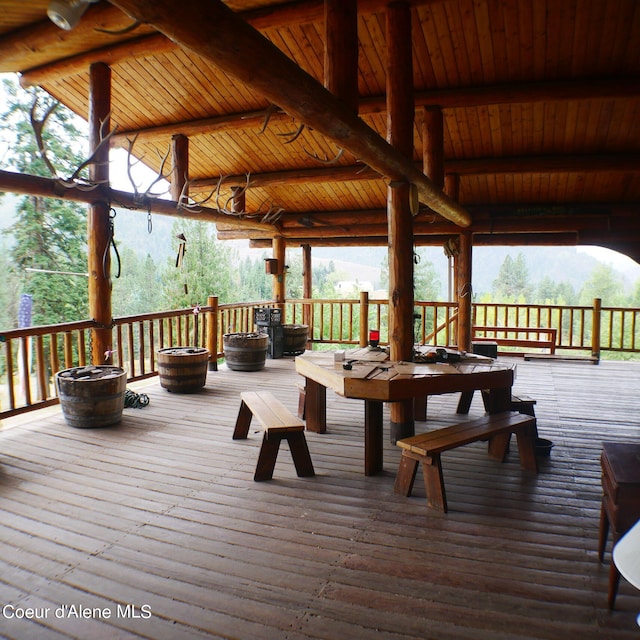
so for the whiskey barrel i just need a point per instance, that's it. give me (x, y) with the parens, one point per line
(295, 338)
(91, 396)
(245, 351)
(183, 369)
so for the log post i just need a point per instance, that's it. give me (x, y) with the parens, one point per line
(364, 318)
(464, 291)
(212, 332)
(307, 286)
(341, 50)
(98, 218)
(400, 117)
(180, 159)
(595, 328)
(452, 189)
(279, 251)
(238, 199)
(433, 145)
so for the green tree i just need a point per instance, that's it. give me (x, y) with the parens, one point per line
(512, 283)
(549, 291)
(426, 281)
(605, 284)
(139, 287)
(9, 291)
(207, 268)
(49, 234)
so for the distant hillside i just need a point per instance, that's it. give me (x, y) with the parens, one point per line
(571, 264)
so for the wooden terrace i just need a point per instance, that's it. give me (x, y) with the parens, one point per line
(161, 513)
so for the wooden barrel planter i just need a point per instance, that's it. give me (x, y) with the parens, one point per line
(295, 338)
(183, 369)
(92, 396)
(245, 351)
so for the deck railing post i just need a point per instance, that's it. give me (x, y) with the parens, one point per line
(212, 332)
(364, 318)
(595, 328)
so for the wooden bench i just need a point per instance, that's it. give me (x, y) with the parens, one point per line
(278, 424)
(543, 337)
(426, 448)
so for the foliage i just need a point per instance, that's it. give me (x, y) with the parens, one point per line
(512, 283)
(207, 268)
(426, 281)
(139, 287)
(603, 284)
(49, 234)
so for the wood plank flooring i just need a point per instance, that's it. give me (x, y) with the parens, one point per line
(155, 529)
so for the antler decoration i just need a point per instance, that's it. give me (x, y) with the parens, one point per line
(118, 32)
(38, 128)
(326, 159)
(137, 195)
(270, 215)
(75, 180)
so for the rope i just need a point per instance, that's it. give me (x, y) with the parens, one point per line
(135, 400)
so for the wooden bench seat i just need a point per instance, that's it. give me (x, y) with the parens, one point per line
(426, 448)
(278, 424)
(543, 337)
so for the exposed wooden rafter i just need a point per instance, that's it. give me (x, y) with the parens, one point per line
(601, 88)
(219, 36)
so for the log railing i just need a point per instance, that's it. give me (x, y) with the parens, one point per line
(29, 357)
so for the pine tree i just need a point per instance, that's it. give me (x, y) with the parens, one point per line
(49, 234)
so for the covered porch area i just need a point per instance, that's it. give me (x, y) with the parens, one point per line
(155, 528)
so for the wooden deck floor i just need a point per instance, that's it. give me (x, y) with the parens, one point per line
(156, 529)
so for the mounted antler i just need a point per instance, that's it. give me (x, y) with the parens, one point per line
(104, 140)
(270, 215)
(326, 159)
(38, 128)
(74, 180)
(159, 176)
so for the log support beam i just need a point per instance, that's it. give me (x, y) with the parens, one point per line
(307, 284)
(98, 217)
(400, 110)
(433, 145)
(279, 278)
(464, 290)
(341, 50)
(180, 163)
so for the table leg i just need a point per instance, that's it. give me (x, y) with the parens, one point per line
(373, 446)
(464, 404)
(316, 406)
(420, 408)
(498, 400)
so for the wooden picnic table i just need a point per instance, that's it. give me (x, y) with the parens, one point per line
(372, 377)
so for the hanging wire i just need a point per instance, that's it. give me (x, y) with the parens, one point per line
(111, 243)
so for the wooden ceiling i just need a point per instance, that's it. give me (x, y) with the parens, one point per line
(540, 103)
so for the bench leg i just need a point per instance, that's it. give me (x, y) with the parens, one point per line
(527, 448)
(499, 446)
(300, 454)
(243, 422)
(434, 483)
(267, 458)
(406, 475)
